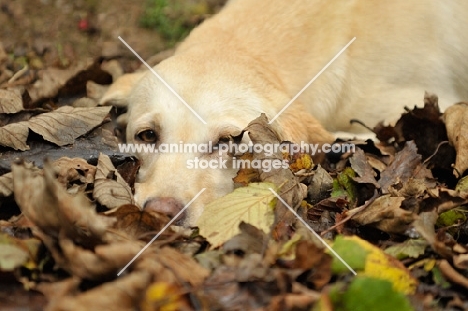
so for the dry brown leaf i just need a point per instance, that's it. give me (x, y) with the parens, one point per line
(10, 101)
(135, 223)
(310, 257)
(246, 175)
(65, 124)
(46, 203)
(361, 166)
(51, 80)
(15, 136)
(443, 199)
(74, 170)
(401, 169)
(456, 118)
(122, 294)
(251, 240)
(6, 185)
(320, 186)
(385, 214)
(110, 189)
(424, 225)
(102, 263)
(260, 132)
(185, 268)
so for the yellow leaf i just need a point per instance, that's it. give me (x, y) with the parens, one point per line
(163, 297)
(303, 162)
(382, 266)
(253, 204)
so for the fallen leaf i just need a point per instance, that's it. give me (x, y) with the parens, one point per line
(123, 294)
(136, 223)
(354, 255)
(101, 263)
(308, 257)
(246, 174)
(110, 189)
(462, 184)
(376, 263)
(253, 204)
(368, 293)
(76, 170)
(46, 203)
(6, 185)
(292, 192)
(425, 127)
(15, 135)
(412, 248)
(386, 214)
(12, 255)
(250, 241)
(10, 101)
(51, 80)
(320, 185)
(424, 225)
(65, 124)
(361, 166)
(161, 296)
(455, 118)
(344, 186)
(401, 169)
(451, 218)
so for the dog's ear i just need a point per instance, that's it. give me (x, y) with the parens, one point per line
(118, 92)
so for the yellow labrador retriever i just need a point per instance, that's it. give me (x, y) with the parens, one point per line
(256, 55)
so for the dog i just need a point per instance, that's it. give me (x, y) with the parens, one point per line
(255, 56)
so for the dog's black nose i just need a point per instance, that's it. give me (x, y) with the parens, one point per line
(165, 205)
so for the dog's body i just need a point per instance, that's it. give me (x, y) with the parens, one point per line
(256, 55)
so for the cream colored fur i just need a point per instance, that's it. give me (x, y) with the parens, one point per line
(255, 55)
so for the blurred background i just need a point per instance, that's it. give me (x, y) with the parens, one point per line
(59, 33)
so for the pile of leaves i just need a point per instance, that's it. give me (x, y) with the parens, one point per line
(392, 215)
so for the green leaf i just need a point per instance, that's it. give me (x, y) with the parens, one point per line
(450, 218)
(462, 184)
(344, 185)
(366, 293)
(409, 248)
(353, 253)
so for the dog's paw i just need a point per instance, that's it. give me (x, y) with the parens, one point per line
(118, 92)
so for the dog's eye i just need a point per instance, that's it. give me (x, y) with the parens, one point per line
(147, 136)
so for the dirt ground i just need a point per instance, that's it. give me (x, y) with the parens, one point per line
(65, 31)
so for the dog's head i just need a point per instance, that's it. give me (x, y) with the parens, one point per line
(221, 102)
